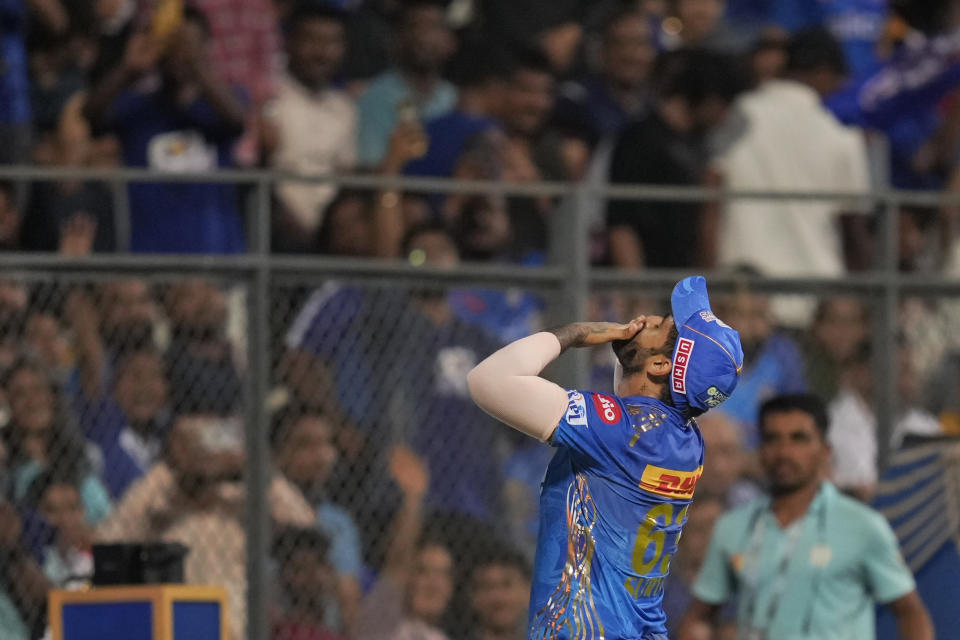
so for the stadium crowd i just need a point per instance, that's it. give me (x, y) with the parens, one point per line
(123, 400)
(689, 92)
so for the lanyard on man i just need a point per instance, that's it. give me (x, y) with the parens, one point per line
(752, 566)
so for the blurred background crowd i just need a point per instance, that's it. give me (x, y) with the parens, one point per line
(748, 94)
(399, 509)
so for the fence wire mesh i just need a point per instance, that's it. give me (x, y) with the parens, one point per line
(395, 505)
(394, 502)
(122, 422)
(418, 494)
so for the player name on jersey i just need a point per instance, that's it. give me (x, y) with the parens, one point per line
(645, 587)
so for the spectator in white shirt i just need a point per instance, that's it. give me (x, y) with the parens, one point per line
(310, 128)
(791, 142)
(853, 422)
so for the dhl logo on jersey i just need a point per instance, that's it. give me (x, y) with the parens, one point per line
(670, 483)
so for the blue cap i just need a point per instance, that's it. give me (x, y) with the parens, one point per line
(708, 358)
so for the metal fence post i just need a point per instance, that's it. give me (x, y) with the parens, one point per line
(885, 338)
(120, 195)
(576, 289)
(258, 380)
(569, 250)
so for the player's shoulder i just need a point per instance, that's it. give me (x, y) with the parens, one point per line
(612, 409)
(635, 414)
(585, 407)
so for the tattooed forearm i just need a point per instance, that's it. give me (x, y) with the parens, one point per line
(575, 334)
(569, 335)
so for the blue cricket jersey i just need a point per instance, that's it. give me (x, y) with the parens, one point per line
(613, 503)
(857, 24)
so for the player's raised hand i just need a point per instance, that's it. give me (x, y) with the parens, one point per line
(589, 334)
(603, 332)
(409, 471)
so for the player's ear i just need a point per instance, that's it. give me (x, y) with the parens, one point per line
(658, 365)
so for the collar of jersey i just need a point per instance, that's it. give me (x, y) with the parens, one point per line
(654, 401)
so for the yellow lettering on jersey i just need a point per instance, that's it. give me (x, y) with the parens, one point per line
(644, 587)
(670, 483)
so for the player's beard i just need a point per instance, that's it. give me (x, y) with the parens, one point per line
(663, 381)
(631, 358)
(628, 354)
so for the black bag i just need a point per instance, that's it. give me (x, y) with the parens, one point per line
(133, 563)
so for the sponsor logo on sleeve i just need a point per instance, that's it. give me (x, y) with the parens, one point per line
(670, 483)
(680, 362)
(576, 409)
(607, 408)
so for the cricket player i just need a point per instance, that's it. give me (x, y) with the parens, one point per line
(616, 494)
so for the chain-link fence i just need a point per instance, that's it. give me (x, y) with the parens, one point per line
(374, 423)
(123, 421)
(303, 426)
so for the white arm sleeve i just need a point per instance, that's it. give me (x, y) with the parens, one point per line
(507, 385)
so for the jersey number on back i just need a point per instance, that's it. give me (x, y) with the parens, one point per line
(644, 560)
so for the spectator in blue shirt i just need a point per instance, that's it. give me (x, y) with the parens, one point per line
(322, 368)
(428, 407)
(15, 110)
(478, 74)
(326, 371)
(601, 105)
(130, 427)
(857, 24)
(173, 114)
(426, 43)
(902, 99)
